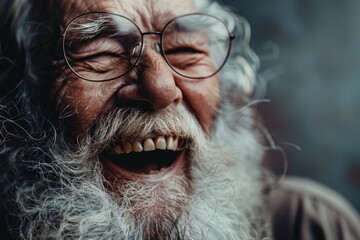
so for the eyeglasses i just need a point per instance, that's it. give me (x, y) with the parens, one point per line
(104, 46)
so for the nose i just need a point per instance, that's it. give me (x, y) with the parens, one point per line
(155, 86)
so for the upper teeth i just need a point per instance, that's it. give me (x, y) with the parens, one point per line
(149, 144)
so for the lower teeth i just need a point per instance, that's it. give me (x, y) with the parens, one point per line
(157, 171)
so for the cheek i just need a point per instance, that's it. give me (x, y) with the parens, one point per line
(79, 103)
(202, 96)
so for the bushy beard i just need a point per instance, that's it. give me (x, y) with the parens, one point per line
(218, 197)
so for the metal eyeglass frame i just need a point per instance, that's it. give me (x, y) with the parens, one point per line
(231, 37)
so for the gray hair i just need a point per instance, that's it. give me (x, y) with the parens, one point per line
(30, 131)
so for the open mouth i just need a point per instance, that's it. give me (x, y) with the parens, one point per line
(149, 156)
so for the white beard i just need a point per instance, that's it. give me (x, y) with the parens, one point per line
(70, 201)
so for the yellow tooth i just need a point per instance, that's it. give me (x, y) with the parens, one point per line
(127, 147)
(137, 147)
(170, 143)
(149, 145)
(176, 143)
(118, 149)
(160, 143)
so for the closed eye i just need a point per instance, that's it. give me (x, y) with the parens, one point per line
(99, 55)
(182, 50)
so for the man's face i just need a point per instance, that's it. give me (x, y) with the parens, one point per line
(138, 160)
(152, 87)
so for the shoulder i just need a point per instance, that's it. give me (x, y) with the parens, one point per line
(302, 209)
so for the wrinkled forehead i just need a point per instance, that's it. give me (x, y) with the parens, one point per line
(148, 14)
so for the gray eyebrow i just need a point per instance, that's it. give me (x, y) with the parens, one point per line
(94, 27)
(88, 30)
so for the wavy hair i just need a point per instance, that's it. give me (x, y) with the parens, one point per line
(29, 128)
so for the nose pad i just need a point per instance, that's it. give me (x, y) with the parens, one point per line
(157, 47)
(138, 51)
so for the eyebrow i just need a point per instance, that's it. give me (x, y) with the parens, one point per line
(88, 30)
(94, 27)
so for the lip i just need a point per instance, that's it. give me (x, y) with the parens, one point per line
(113, 171)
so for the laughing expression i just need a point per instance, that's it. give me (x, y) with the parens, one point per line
(152, 87)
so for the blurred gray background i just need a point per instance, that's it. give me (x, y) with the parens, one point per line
(315, 100)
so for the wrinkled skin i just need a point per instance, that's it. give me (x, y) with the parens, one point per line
(155, 86)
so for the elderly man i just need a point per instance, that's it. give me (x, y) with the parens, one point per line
(116, 123)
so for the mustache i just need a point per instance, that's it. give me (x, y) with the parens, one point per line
(131, 124)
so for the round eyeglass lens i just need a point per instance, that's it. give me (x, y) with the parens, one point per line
(196, 45)
(101, 46)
